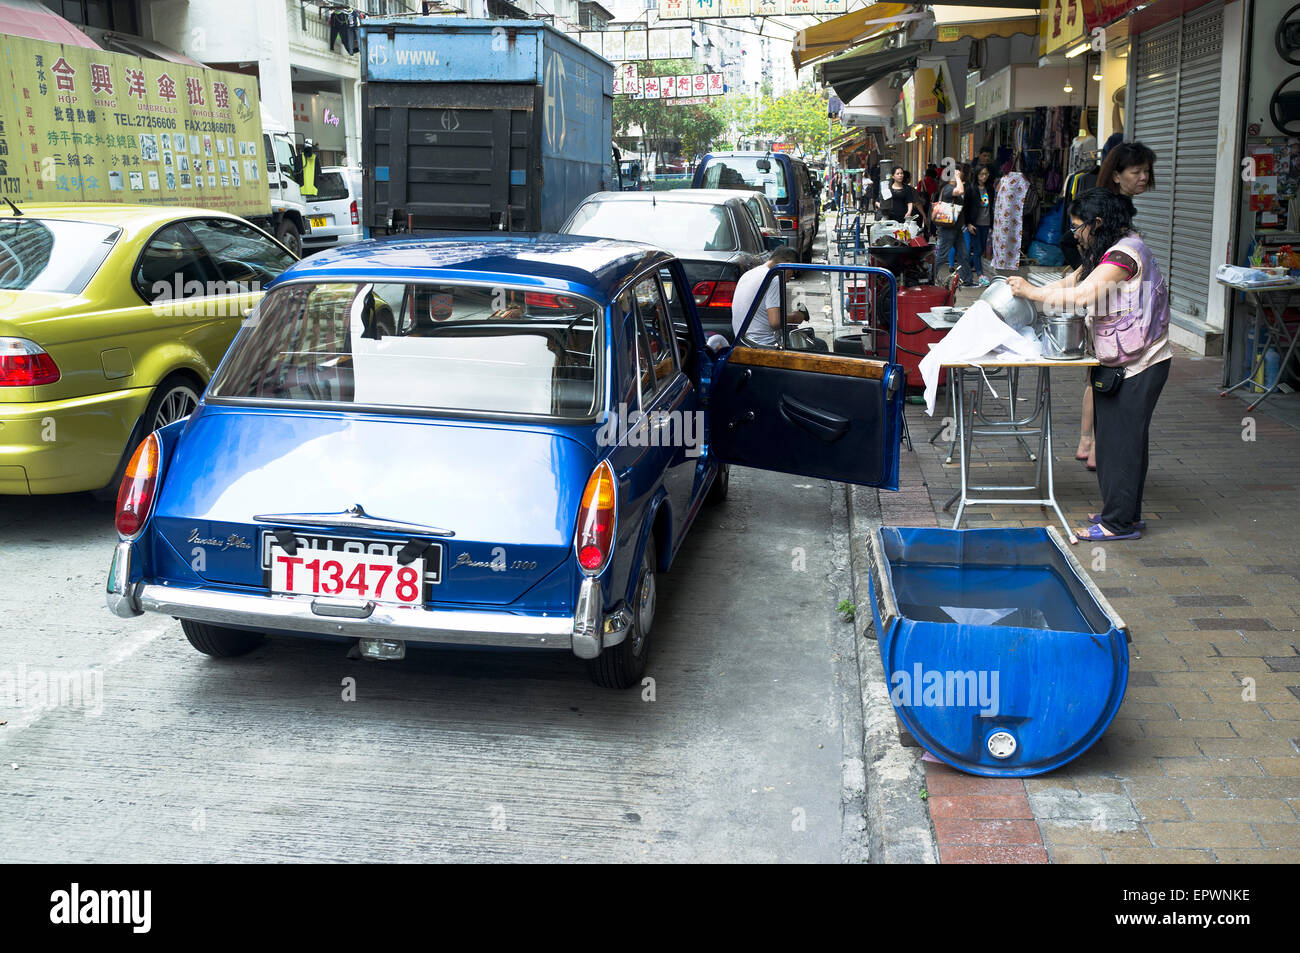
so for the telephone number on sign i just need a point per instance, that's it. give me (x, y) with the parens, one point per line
(149, 122)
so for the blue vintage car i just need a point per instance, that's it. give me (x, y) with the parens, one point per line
(494, 442)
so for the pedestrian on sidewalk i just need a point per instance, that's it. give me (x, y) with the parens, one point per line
(1127, 301)
(982, 219)
(952, 234)
(1127, 170)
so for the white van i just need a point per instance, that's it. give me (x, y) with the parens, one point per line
(335, 211)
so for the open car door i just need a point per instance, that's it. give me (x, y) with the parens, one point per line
(816, 414)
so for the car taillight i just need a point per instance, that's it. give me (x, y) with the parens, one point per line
(356, 219)
(722, 294)
(540, 299)
(136, 495)
(596, 520)
(713, 294)
(787, 223)
(24, 363)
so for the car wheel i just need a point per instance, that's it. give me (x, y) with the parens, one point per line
(854, 344)
(721, 486)
(806, 255)
(220, 642)
(622, 665)
(175, 398)
(289, 236)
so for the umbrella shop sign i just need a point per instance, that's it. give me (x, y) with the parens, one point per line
(319, 117)
(86, 125)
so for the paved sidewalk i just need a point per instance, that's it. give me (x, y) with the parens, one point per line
(1202, 763)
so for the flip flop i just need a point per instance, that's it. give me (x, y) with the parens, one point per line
(1096, 534)
(1096, 518)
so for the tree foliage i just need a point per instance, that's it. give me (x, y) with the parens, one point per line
(798, 117)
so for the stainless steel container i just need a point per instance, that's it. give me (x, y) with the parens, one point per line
(1016, 312)
(1064, 336)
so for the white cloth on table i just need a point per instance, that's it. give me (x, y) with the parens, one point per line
(979, 332)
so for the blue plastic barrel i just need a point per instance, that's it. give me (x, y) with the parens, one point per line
(1001, 655)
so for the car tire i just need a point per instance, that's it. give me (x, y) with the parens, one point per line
(289, 236)
(850, 344)
(721, 486)
(175, 397)
(218, 641)
(622, 665)
(805, 256)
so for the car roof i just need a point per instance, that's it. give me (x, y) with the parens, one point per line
(700, 196)
(596, 267)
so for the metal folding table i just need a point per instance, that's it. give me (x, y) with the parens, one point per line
(1037, 423)
(1270, 303)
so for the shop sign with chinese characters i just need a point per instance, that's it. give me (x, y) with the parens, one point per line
(697, 87)
(1060, 24)
(85, 125)
(709, 9)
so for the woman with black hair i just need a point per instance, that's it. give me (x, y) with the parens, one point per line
(901, 200)
(952, 235)
(1127, 170)
(1128, 306)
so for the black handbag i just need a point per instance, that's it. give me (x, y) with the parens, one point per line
(1106, 380)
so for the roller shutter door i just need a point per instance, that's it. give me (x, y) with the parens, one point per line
(1176, 112)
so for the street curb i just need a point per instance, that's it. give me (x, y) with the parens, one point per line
(898, 821)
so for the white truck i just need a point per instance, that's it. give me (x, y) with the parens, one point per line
(288, 220)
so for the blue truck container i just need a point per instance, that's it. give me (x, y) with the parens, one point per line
(481, 124)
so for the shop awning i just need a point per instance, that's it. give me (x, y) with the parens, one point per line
(959, 22)
(846, 31)
(38, 22)
(138, 46)
(853, 72)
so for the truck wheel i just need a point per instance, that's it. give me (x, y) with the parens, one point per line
(218, 641)
(622, 665)
(289, 236)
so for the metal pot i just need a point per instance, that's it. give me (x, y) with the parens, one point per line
(1016, 312)
(1064, 336)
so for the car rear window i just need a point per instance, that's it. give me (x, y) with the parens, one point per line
(330, 186)
(437, 347)
(52, 255)
(677, 226)
(738, 172)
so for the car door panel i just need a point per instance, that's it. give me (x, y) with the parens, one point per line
(816, 414)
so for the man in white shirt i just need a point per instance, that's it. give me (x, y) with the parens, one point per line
(765, 327)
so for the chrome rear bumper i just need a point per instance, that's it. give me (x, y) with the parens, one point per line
(585, 634)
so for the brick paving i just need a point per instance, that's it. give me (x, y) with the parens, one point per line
(1202, 764)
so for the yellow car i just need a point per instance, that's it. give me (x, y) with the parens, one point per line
(112, 320)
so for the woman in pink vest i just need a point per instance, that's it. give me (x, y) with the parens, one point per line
(1127, 301)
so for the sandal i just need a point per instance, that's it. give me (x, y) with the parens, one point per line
(1096, 534)
(1096, 518)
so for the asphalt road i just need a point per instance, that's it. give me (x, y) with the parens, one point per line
(447, 755)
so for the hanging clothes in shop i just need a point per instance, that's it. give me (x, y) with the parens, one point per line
(1008, 223)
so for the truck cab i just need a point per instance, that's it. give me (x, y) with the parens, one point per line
(288, 220)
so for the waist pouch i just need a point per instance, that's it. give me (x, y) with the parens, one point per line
(1106, 380)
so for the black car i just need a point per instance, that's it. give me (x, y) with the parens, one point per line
(713, 235)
